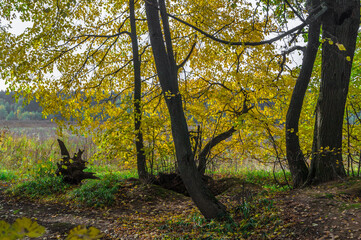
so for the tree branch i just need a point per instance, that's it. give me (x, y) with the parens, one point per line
(203, 156)
(102, 36)
(187, 57)
(294, 11)
(310, 19)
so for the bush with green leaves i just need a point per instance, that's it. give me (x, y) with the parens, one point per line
(97, 193)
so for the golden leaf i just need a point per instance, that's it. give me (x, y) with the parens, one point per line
(341, 47)
(81, 232)
(6, 231)
(27, 227)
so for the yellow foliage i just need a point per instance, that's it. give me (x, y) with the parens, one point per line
(22, 227)
(95, 80)
(341, 47)
(6, 232)
(81, 232)
(25, 227)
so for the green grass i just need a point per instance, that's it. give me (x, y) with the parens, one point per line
(7, 175)
(261, 177)
(91, 193)
(264, 177)
(97, 193)
(104, 171)
(39, 187)
(347, 206)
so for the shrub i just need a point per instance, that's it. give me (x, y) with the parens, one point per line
(97, 193)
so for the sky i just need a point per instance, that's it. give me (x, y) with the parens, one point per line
(2, 84)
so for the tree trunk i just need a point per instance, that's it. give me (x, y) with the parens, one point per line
(295, 157)
(340, 24)
(209, 206)
(141, 161)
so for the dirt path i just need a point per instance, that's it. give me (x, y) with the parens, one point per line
(57, 219)
(135, 220)
(331, 211)
(324, 212)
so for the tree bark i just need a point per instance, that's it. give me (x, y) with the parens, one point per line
(209, 206)
(141, 160)
(340, 24)
(295, 157)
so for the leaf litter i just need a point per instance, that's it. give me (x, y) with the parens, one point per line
(328, 211)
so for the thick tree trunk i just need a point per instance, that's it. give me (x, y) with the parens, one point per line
(209, 206)
(141, 161)
(203, 156)
(295, 157)
(340, 24)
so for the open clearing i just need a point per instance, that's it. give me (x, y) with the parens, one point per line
(329, 211)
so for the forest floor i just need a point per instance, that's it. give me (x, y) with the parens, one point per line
(328, 211)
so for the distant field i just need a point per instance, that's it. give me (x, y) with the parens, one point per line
(26, 124)
(35, 141)
(39, 129)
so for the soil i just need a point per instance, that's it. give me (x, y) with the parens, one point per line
(329, 211)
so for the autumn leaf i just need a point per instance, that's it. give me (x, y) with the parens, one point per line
(81, 232)
(6, 232)
(341, 47)
(26, 227)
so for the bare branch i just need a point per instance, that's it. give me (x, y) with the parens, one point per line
(284, 58)
(102, 36)
(216, 83)
(310, 19)
(187, 57)
(111, 74)
(294, 10)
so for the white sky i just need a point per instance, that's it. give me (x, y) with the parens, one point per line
(2, 84)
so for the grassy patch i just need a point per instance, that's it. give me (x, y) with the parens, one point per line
(273, 182)
(41, 170)
(97, 193)
(6, 175)
(39, 187)
(263, 177)
(106, 171)
(347, 206)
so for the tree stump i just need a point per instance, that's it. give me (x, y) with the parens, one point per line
(72, 169)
